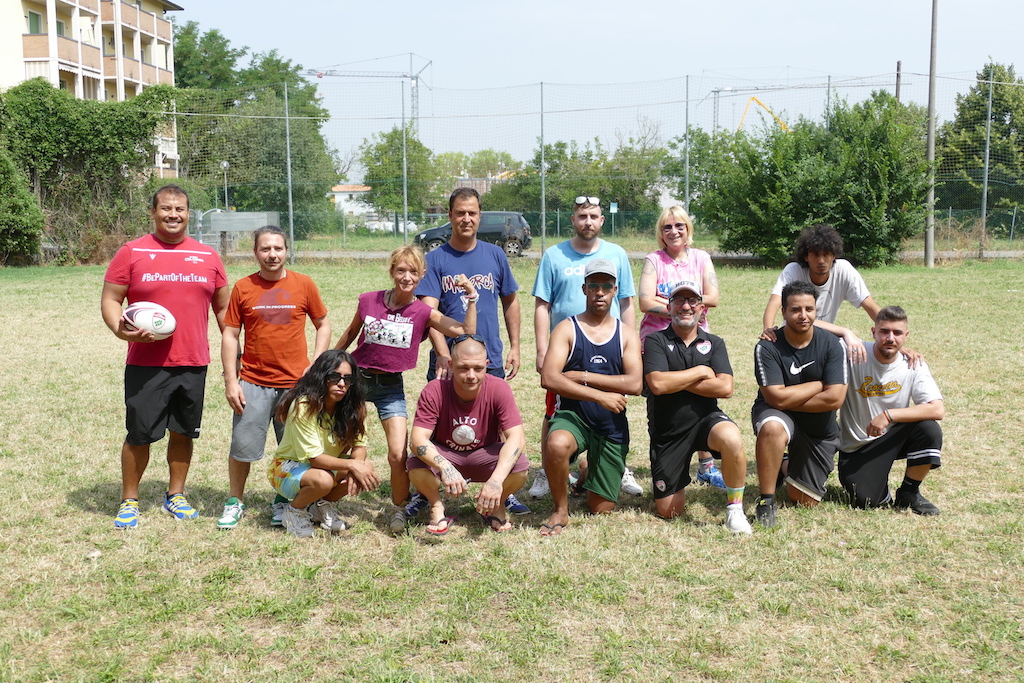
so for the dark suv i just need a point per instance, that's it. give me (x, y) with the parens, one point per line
(508, 229)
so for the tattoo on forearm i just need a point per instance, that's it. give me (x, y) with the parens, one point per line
(421, 451)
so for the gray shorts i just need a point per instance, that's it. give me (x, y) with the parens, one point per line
(249, 430)
(811, 459)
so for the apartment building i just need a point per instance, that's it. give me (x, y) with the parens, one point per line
(95, 49)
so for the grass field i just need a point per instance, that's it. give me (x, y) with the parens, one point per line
(829, 594)
(962, 244)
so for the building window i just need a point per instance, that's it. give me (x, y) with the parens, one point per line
(35, 23)
(60, 29)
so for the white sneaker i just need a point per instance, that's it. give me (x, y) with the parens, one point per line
(324, 513)
(277, 513)
(297, 522)
(629, 484)
(540, 486)
(736, 521)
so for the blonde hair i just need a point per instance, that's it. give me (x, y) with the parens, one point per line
(410, 254)
(677, 214)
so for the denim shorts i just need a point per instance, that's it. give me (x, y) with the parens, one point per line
(389, 400)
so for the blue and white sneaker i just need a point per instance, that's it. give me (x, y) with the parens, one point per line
(713, 477)
(514, 507)
(127, 514)
(417, 504)
(176, 506)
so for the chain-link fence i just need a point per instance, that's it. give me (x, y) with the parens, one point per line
(246, 151)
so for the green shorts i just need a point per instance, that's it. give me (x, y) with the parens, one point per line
(606, 459)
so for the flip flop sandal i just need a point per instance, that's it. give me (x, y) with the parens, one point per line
(491, 521)
(448, 522)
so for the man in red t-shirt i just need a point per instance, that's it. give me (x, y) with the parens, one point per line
(468, 429)
(272, 305)
(165, 380)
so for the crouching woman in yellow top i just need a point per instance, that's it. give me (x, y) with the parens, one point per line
(322, 455)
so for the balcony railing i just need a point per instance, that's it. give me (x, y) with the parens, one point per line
(35, 46)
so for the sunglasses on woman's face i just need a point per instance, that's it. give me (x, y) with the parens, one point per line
(338, 378)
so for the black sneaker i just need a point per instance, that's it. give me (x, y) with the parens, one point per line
(764, 513)
(916, 502)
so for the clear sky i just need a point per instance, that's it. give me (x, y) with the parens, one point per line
(497, 44)
(486, 59)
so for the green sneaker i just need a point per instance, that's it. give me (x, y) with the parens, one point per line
(234, 510)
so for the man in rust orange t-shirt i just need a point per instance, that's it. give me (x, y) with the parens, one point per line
(272, 305)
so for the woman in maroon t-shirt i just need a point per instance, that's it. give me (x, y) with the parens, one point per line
(390, 325)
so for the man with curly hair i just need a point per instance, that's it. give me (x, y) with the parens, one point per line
(818, 260)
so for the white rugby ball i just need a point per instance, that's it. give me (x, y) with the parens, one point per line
(151, 317)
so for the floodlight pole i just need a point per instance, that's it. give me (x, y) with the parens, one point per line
(224, 166)
(288, 160)
(984, 182)
(543, 179)
(929, 220)
(686, 139)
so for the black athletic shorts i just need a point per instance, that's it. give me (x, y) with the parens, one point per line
(157, 399)
(864, 473)
(670, 458)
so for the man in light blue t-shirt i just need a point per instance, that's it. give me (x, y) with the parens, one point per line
(558, 294)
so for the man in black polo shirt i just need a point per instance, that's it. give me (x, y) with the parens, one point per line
(687, 370)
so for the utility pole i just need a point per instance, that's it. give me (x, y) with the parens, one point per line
(929, 231)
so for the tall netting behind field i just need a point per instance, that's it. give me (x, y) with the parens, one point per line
(235, 148)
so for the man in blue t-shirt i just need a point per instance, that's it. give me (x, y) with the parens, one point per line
(558, 294)
(486, 265)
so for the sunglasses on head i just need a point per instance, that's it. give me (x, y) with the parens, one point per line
(583, 199)
(463, 337)
(338, 378)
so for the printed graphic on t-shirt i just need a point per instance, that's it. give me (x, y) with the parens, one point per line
(395, 333)
(274, 307)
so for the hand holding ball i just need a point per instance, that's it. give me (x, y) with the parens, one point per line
(149, 317)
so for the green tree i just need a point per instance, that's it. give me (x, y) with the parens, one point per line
(862, 170)
(244, 125)
(381, 157)
(701, 145)
(21, 219)
(204, 60)
(961, 144)
(84, 159)
(484, 163)
(631, 175)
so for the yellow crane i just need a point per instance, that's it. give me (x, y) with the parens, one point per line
(764, 106)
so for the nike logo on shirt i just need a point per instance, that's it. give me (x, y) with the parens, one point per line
(794, 370)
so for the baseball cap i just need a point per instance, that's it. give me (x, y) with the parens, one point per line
(686, 286)
(601, 265)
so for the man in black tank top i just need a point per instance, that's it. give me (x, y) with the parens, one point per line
(592, 363)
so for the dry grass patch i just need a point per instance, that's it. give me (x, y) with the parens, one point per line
(831, 593)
